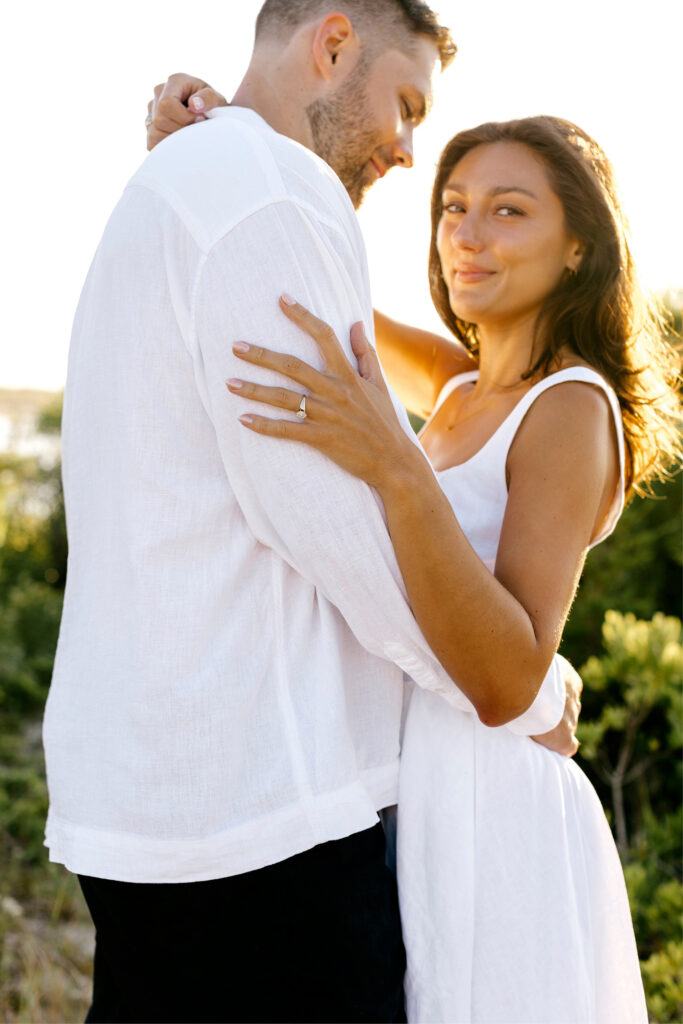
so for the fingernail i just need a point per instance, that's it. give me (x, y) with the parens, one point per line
(197, 103)
(288, 300)
(199, 119)
(234, 384)
(240, 346)
(246, 419)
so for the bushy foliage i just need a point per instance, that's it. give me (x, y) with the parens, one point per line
(637, 569)
(632, 735)
(29, 624)
(33, 552)
(32, 523)
(632, 715)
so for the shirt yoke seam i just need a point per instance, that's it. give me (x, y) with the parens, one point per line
(206, 254)
(205, 241)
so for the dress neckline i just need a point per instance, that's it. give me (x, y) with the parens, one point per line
(472, 375)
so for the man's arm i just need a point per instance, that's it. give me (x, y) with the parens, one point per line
(325, 523)
(329, 526)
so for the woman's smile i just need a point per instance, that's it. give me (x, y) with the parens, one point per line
(472, 273)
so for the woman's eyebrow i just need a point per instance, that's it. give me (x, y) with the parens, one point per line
(497, 190)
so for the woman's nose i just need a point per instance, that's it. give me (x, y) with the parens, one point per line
(468, 233)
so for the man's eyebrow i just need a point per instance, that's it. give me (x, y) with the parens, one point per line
(497, 190)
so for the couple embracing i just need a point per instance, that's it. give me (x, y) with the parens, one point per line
(273, 586)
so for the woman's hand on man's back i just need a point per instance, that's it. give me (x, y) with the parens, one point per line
(181, 100)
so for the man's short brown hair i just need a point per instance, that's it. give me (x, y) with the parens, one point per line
(386, 23)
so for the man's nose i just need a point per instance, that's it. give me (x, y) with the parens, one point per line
(402, 150)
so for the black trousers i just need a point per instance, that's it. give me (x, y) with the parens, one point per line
(314, 938)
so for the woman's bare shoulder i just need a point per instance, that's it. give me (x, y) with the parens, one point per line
(568, 439)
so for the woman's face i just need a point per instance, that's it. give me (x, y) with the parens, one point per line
(502, 239)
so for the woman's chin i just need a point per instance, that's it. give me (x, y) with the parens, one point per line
(469, 312)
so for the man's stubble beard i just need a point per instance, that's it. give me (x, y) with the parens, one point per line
(340, 133)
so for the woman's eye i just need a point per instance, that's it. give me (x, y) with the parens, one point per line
(453, 207)
(406, 112)
(510, 211)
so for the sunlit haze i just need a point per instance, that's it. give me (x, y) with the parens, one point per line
(78, 76)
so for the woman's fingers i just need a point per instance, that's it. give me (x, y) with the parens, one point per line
(285, 430)
(281, 362)
(281, 398)
(178, 102)
(366, 357)
(206, 99)
(321, 332)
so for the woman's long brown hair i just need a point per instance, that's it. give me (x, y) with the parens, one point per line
(600, 312)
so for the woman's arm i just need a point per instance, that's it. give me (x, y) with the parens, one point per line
(494, 634)
(418, 363)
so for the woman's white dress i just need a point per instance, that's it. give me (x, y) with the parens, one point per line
(513, 900)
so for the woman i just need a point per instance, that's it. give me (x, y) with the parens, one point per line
(512, 896)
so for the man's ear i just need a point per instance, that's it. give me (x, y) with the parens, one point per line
(335, 45)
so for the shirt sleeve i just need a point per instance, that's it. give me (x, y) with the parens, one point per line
(325, 523)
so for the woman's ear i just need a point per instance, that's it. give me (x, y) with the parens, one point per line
(333, 44)
(575, 257)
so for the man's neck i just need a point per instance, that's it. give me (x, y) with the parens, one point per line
(270, 96)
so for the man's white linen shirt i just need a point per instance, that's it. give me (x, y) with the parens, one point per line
(228, 687)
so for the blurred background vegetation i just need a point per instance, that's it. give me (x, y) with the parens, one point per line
(624, 635)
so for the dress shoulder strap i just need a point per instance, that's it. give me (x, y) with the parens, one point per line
(506, 433)
(452, 385)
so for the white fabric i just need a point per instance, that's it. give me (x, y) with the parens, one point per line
(513, 900)
(228, 682)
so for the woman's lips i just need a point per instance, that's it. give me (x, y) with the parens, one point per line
(471, 274)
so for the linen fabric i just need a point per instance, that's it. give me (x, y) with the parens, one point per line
(227, 688)
(512, 896)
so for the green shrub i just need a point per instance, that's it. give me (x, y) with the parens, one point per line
(29, 626)
(631, 733)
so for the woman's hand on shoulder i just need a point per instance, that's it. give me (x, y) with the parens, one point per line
(179, 101)
(346, 413)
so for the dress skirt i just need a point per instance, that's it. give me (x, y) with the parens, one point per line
(513, 900)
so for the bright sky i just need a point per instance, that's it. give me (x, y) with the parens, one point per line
(78, 75)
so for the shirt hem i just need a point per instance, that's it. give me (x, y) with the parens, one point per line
(125, 857)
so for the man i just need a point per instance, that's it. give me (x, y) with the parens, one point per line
(223, 723)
